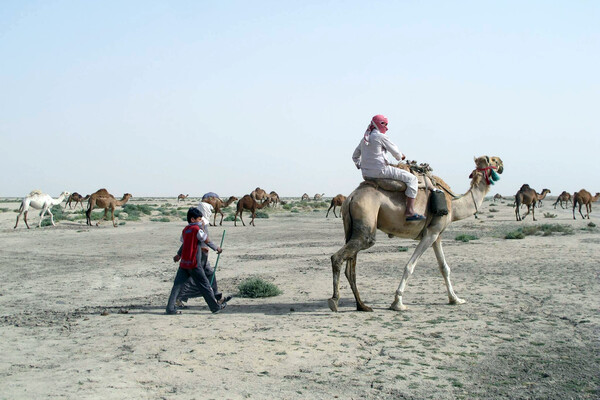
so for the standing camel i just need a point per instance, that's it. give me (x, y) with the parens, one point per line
(259, 194)
(368, 209)
(318, 196)
(337, 201)
(102, 199)
(77, 198)
(39, 201)
(529, 197)
(248, 203)
(497, 196)
(274, 198)
(218, 206)
(563, 197)
(182, 197)
(584, 197)
(305, 197)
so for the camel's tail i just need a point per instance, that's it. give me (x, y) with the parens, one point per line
(348, 221)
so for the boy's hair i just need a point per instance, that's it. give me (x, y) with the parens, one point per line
(193, 212)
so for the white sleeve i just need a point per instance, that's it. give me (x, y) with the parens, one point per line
(202, 235)
(391, 147)
(356, 155)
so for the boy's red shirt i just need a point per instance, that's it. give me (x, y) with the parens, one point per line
(189, 251)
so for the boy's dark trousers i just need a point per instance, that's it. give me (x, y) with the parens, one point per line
(191, 290)
(202, 284)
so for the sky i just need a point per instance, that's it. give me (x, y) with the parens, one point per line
(158, 98)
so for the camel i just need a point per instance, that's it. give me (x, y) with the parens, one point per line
(218, 206)
(563, 197)
(497, 196)
(248, 203)
(369, 208)
(337, 201)
(259, 194)
(77, 198)
(182, 197)
(102, 199)
(274, 198)
(39, 201)
(529, 197)
(318, 196)
(305, 197)
(584, 197)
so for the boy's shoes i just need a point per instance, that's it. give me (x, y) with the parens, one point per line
(222, 306)
(180, 304)
(176, 312)
(224, 300)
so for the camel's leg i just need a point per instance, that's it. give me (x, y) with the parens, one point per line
(112, 215)
(574, 206)
(588, 209)
(581, 204)
(334, 212)
(51, 217)
(348, 253)
(445, 270)
(327, 215)
(351, 275)
(533, 211)
(253, 216)
(25, 218)
(104, 217)
(427, 241)
(42, 213)
(517, 213)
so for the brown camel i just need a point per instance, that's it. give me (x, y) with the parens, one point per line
(369, 208)
(318, 196)
(563, 197)
(305, 197)
(259, 194)
(248, 203)
(337, 201)
(103, 199)
(182, 197)
(218, 206)
(529, 197)
(497, 196)
(274, 198)
(77, 198)
(584, 197)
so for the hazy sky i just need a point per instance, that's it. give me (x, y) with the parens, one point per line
(162, 98)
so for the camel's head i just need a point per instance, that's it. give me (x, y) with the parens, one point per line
(487, 169)
(65, 194)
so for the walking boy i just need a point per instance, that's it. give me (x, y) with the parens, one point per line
(188, 266)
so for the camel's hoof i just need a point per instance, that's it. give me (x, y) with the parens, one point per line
(364, 308)
(333, 305)
(396, 306)
(457, 301)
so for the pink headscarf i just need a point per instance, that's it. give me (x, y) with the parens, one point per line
(378, 122)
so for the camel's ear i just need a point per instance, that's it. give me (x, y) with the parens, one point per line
(471, 176)
(487, 159)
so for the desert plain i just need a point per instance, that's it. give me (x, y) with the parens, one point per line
(82, 312)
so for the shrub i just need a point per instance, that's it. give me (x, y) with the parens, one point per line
(261, 214)
(3, 209)
(402, 248)
(287, 206)
(465, 237)
(549, 215)
(137, 209)
(257, 287)
(230, 217)
(295, 210)
(591, 225)
(161, 219)
(493, 210)
(514, 235)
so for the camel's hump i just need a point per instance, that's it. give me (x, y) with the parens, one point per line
(36, 192)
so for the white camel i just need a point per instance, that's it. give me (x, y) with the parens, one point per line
(39, 201)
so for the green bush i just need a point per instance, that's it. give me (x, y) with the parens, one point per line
(493, 210)
(287, 206)
(161, 219)
(230, 217)
(261, 214)
(402, 248)
(549, 215)
(3, 209)
(137, 209)
(465, 237)
(514, 235)
(257, 287)
(591, 225)
(295, 210)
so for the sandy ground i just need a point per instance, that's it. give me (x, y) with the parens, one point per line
(529, 329)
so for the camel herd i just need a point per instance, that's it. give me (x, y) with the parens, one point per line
(526, 196)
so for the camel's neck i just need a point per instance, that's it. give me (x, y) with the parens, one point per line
(543, 195)
(468, 204)
(262, 205)
(124, 200)
(228, 202)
